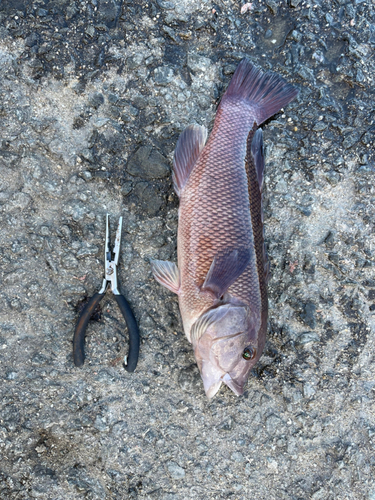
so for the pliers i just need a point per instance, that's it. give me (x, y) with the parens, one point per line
(110, 278)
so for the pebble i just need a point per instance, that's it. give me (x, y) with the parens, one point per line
(268, 34)
(175, 471)
(272, 5)
(307, 337)
(135, 61)
(163, 75)
(149, 197)
(147, 163)
(308, 314)
(237, 457)
(320, 126)
(198, 63)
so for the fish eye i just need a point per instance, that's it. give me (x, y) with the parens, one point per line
(249, 353)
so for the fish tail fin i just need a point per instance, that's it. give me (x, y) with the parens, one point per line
(266, 92)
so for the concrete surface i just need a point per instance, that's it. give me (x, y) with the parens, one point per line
(93, 97)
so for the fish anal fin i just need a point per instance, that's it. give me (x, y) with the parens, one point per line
(167, 274)
(225, 269)
(188, 148)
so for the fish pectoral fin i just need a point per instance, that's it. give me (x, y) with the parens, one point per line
(225, 269)
(189, 146)
(167, 274)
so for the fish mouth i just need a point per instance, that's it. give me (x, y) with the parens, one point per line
(214, 376)
(233, 385)
(212, 388)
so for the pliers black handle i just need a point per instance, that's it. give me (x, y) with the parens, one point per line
(110, 278)
(80, 332)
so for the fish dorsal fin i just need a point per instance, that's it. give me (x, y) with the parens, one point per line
(189, 146)
(205, 321)
(257, 153)
(167, 274)
(225, 269)
(267, 267)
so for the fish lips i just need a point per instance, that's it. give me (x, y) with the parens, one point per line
(236, 386)
(214, 377)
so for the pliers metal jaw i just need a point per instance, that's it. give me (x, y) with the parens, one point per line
(110, 272)
(109, 280)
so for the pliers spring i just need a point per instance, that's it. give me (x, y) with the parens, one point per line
(110, 279)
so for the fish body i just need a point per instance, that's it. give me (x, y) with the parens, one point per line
(221, 278)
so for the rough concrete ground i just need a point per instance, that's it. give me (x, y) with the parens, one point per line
(93, 97)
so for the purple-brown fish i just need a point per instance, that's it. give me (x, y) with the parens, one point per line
(221, 278)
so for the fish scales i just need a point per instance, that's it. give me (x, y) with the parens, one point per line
(215, 212)
(221, 278)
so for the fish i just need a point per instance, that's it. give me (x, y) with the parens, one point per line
(223, 269)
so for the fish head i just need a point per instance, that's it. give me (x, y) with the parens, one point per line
(225, 341)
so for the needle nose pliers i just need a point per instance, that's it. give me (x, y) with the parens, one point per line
(110, 279)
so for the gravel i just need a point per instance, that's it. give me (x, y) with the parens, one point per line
(94, 97)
